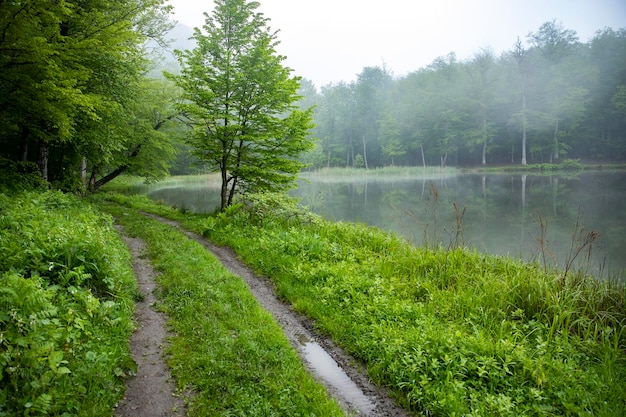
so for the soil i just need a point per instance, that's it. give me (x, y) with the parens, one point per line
(151, 392)
(154, 382)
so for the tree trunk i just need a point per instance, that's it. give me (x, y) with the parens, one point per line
(224, 190)
(231, 194)
(555, 151)
(83, 172)
(116, 172)
(423, 159)
(110, 177)
(44, 154)
(365, 152)
(524, 129)
(484, 154)
(92, 180)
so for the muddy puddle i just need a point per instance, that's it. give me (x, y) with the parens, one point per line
(349, 385)
(326, 368)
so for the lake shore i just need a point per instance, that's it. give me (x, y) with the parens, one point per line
(446, 331)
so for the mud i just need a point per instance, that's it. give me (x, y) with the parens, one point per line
(151, 392)
(344, 379)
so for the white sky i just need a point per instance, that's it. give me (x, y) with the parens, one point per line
(332, 40)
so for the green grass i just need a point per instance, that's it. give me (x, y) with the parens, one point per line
(449, 332)
(389, 173)
(67, 292)
(225, 347)
(131, 184)
(571, 167)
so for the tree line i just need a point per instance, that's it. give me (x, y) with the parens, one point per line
(80, 103)
(548, 98)
(76, 105)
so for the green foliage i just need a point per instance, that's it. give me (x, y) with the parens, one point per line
(450, 332)
(70, 81)
(359, 162)
(568, 97)
(65, 307)
(19, 176)
(265, 207)
(226, 348)
(239, 99)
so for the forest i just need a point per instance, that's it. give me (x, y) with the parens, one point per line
(83, 100)
(77, 105)
(550, 97)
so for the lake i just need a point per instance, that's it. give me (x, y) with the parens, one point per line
(548, 218)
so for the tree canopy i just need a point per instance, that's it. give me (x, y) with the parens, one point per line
(72, 84)
(548, 97)
(240, 102)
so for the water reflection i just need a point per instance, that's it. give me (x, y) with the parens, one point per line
(499, 214)
(503, 214)
(199, 198)
(326, 368)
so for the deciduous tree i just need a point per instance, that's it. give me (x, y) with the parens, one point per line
(239, 99)
(68, 76)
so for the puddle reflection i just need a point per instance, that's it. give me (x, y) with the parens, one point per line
(326, 367)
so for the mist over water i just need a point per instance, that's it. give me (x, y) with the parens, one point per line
(495, 213)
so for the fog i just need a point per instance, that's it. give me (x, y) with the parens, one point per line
(548, 99)
(331, 41)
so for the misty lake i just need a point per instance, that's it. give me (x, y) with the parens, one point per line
(500, 214)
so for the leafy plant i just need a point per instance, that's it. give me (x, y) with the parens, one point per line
(450, 332)
(65, 307)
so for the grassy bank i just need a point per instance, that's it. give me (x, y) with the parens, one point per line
(67, 292)
(389, 173)
(450, 332)
(66, 298)
(565, 167)
(226, 348)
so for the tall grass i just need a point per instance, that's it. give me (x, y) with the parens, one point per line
(225, 348)
(389, 173)
(451, 332)
(130, 184)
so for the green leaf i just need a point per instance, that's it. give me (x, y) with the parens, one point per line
(54, 359)
(63, 370)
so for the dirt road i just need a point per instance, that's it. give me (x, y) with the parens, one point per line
(348, 383)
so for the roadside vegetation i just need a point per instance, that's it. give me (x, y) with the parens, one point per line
(225, 348)
(450, 332)
(67, 292)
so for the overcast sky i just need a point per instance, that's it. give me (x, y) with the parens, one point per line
(328, 41)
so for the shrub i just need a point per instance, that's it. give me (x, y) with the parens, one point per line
(66, 296)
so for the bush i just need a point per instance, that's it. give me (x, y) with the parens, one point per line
(18, 176)
(66, 297)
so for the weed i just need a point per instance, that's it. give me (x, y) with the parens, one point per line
(579, 257)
